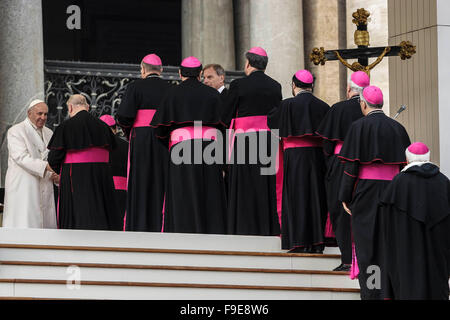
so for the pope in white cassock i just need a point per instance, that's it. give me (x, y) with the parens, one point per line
(29, 199)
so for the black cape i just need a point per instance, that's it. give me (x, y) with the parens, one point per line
(147, 156)
(333, 129)
(375, 138)
(195, 195)
(252, 202)
(86, 193)
(417, 234)
(304, 210)
(118, 159)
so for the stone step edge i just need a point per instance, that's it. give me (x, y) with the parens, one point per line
(170, 268)
(179, 251)
(179, 285)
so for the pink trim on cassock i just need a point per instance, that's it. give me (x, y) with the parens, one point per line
(302, 142)
(120, 183)
(354, 269)
(378, 171)
(143, 118)
(279, 182)
(163, 213)
(88, 155)
(329, 233)
(338, 147)
(189, 133)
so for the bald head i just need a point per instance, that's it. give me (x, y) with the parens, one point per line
(76, 103)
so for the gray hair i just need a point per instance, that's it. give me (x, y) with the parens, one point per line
(150, 67)
(370, 105)
(217, 68)
(354, 87)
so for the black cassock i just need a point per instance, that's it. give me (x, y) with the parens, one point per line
(333, 129)
(79, 150)
(304, 207)
(417, 233)
(373, 153)
(252, 201)
(147, 155)
(118, 160)
(195, 195)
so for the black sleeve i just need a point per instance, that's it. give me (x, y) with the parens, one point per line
(349, 178)
(230, 104)
(56, 159)
(127, 109)
(328, 151)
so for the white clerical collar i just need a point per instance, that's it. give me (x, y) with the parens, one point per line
(415, 163)
(303, 91)
(221, 89)
(375, 112)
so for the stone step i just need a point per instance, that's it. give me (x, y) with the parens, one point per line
(175, 274)
(31, 288)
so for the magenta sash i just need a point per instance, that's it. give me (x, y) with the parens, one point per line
(143, 118)
(245, 125)
(301, 142)
(120, 183)
(88, 155)
(378, 171)
(189, 133)
(338, 147)
(250, 124)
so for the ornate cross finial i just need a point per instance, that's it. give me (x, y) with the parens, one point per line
(360, 17)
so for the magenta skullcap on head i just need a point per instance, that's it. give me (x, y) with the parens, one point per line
(108, 120)
(304, 76)
(418, 151)
(152, 59)
(373, 95)
(360, 78)
(191, 62)
(258, 51)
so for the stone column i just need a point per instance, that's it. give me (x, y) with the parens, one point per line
(325, 26)
(276, 26)
(242, 31)
(379, 35)
(22, 64)
(207, 31)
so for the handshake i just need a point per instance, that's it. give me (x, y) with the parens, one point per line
(53, 175)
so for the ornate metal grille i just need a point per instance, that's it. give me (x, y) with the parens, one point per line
(103, 85)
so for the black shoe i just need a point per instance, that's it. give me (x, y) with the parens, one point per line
(317, 249)
(298, 250)
(343, 267)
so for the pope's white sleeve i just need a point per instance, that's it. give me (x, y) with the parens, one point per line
(19, 153)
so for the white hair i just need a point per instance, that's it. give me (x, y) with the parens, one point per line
(370, 105)
(354, 87)
(411, 157)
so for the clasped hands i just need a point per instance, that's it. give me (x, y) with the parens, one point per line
(54, 176)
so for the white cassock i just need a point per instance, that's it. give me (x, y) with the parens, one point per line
(29, 199)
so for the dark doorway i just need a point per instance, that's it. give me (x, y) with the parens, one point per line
(119, 31)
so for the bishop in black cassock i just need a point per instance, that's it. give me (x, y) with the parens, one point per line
(333, 130)
(147, 169)
(189, 122)
(373, 153)
(417, 230)
(79, 150)
(304, 207)
(252, 199)
(118, 159)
